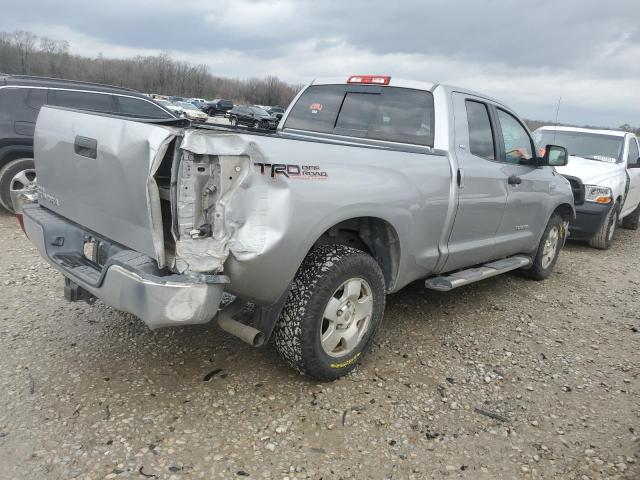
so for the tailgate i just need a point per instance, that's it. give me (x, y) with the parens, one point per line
(98, 170)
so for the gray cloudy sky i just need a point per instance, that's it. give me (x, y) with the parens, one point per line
(527, 53)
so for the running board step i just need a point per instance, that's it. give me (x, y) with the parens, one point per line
(471, 275)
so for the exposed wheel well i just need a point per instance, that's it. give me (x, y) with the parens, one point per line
(373, 235)
(565, 211)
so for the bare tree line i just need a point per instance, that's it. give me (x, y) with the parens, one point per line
(24, 53)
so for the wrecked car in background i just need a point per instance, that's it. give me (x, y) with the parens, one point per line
(368, 184)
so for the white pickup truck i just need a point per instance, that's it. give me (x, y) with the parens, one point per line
(604, 172)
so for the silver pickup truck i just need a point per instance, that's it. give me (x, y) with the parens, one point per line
(368, 184)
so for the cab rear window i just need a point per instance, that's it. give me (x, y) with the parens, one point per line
(378, 113)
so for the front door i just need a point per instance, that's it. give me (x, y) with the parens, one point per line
(482, 184)
(528, 187)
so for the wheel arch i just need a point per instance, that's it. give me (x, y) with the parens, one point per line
(374, 235)
(14, 152)
(566, 211)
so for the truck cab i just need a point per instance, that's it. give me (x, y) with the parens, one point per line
(604, 172)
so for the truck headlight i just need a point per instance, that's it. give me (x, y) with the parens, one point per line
(594, 193)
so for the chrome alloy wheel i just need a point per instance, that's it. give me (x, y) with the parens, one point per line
(346, 317)
(550, 247)
(23, 180)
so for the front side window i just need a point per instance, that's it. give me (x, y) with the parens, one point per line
(390, 114)
(96, 102)
(632, 157)
(517, 143)
(137, 107)
(480, 132)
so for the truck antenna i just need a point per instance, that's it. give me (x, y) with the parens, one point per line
(555, 127)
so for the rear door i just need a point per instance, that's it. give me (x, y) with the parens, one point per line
(528, 187)
(482, 184)
(633, 195)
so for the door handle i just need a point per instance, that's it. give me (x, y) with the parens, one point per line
(87, 147)
(514, 180)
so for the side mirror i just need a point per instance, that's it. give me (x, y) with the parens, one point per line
(634, 165)
(555, 156)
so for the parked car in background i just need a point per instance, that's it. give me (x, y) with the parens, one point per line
(604, 172)
(253, 116)
(217, 107)
(190, 111)
(276, 112)
(368, 184)
(197, 102)
(20, 100)
(175, 109)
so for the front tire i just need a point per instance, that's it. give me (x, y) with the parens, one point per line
(333, 312)
(603, 239)
(631, 221)
(17, 174)
(548, 249)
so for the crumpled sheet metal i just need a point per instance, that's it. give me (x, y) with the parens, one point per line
(251, 213)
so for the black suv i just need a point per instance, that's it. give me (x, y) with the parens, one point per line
(217, 107)
(20, 100)
(255, 117)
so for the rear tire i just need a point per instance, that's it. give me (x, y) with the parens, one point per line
(548, 249)
(7, 174)
(631, 221)
(333, 312)
(603, 239)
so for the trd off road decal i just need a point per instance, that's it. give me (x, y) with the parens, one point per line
(303, 172)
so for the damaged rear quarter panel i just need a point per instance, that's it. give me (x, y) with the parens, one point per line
(267, 223)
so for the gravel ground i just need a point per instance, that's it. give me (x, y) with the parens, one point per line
(503, 379)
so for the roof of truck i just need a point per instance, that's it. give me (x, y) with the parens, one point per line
(615, 133)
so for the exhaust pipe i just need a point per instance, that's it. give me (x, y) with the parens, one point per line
(247, 334)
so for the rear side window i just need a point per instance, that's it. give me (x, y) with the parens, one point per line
(317, 109)
(137, 107)
(480, 132)
(36, 98)
(97, 102)
(381, 113)
(21, 104)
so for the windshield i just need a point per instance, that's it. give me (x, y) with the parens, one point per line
(594, 146)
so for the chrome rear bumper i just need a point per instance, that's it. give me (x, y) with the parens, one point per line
(128, 281)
